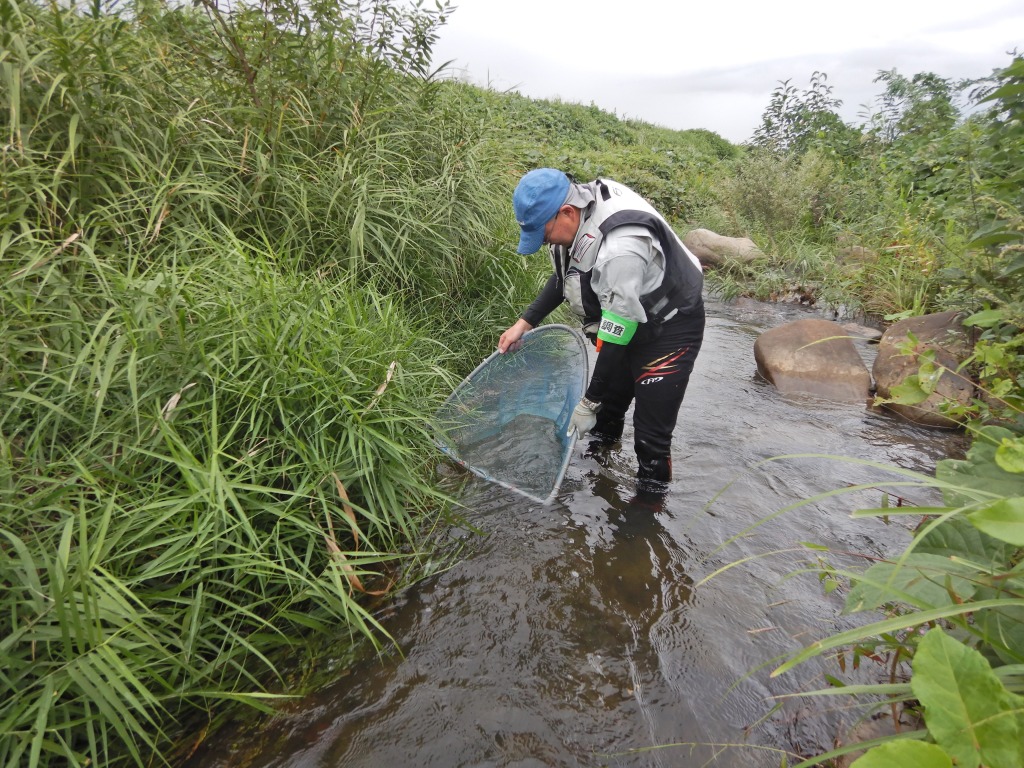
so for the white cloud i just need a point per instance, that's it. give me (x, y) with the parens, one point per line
(716, 66)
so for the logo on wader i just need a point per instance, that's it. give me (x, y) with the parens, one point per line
(662, 368)
(582, 246)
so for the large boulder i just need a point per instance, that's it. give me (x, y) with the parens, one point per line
(944, 334)
(814, 357)
(714, 250)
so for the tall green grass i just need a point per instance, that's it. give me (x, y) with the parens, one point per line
(173, 475)
(228, 306)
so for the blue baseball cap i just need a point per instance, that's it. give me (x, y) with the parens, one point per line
(538, 196)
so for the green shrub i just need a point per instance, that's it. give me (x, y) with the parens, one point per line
(779, 194)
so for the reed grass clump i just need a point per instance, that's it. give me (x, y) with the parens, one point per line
(198, 467)
(231, 273)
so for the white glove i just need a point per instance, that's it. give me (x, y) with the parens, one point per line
(584, 417)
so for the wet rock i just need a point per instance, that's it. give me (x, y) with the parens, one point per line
(804, 295)
(863, 332)
(941, 332)
(714, 250)
(814, 357)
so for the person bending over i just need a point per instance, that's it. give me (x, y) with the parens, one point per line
(637, 290)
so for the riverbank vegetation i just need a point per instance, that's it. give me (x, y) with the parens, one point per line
(243, 258)
(245, 254)
(930, 198)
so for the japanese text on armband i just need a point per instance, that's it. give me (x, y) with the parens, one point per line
(615, 329)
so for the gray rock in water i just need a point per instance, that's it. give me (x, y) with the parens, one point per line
(814, 357)
(863, 332)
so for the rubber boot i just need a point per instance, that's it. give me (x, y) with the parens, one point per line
(654, 474)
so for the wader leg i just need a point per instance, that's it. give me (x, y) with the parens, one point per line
(611, 419)
(654, 471)
(661, 371)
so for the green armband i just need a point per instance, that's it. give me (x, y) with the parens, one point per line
(615, 329)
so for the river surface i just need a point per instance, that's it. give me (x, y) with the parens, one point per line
(585, 632)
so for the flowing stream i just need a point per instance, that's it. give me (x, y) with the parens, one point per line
(586, 632)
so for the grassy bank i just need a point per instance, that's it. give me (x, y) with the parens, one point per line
(240, 264)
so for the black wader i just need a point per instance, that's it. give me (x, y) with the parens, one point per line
(659, 359)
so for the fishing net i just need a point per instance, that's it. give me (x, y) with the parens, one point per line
(507, 421)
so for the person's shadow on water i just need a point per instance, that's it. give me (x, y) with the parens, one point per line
(638, 568)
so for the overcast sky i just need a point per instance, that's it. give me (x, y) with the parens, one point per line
(714, 64)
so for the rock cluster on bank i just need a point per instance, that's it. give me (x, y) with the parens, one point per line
(818, 357)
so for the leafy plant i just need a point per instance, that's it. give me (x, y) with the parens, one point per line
(924, 103)
(778, 195)
(955, 604)
(796, 121)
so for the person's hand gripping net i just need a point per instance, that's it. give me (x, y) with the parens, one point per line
(584, 417)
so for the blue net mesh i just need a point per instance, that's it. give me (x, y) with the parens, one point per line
(507, 421)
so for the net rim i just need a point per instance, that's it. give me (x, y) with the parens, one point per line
(578, 337)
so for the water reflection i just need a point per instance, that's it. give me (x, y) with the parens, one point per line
(573, 634)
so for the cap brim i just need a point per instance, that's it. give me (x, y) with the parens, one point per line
(530, 241)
